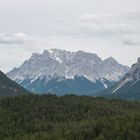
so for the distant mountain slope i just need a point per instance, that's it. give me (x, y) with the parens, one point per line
(60, 85)
(56, 63)
(129, 87)
(9, 87)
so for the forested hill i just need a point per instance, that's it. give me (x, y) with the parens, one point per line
(49, 117)
(10, 88)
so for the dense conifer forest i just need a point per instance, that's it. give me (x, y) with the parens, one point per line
(69, 117)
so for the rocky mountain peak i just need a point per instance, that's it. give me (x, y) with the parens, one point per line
(138, 61)
(129, 86)
(134, 73)
(68, 64)
(110, 60)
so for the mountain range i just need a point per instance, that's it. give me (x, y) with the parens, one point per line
(9, 87)
(61, 72)
(128, 87)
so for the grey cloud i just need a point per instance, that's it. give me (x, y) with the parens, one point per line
(103, 25)
(131, 40)
(17, 38)
(111, 24)
(131, 43)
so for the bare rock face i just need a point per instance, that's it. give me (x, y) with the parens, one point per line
(129, 86)
(134, 73)
(60, 63)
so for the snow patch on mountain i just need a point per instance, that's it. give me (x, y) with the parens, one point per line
(133, 76)
(56, 62)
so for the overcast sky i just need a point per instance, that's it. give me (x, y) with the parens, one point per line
(106, 27)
